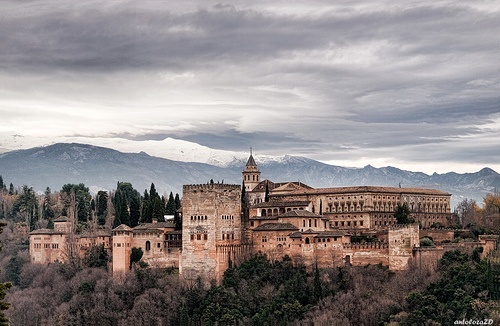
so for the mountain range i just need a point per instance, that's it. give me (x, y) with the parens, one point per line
(101, 168)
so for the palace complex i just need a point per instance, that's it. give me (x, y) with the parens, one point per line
(223, 224)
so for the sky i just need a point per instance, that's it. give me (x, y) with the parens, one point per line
(410, 84)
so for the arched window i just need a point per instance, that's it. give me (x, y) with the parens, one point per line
(307, 240)
(148, 246)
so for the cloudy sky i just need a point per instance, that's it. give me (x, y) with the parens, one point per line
(412, 84)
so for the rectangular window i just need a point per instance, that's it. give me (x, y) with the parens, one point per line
(198, 237)
(264, 238)
(205, 236)
(192, 236)
(360, 223)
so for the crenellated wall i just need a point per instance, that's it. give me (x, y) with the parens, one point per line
(211, 217)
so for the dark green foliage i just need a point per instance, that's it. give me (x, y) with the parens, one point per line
(402, 214)
(101, 206)
(76, 197)
(157, 204)
(135, 211)
(147, 209)
(170, 208)
(258, 292)
(177, 215)
(25, 208)
(127, 205)
(47, 209)
(96, 256)
(426, 242)
(5, 286)
(135, 255)
(463, 281)
(4, 305)
(13, 270)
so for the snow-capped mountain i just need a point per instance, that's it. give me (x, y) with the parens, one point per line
(101, 168)
(168, 148)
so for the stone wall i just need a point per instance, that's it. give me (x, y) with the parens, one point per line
(437, 235)
(211, 217)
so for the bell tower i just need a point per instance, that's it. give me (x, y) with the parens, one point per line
(251, 174)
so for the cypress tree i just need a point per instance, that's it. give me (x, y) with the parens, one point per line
(170, 208)
(177, 215)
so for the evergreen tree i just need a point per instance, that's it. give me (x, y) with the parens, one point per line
(157, 204)
(3, 288)
(135, 211)
(47, 209)
(147, 212)
(1, 183)
(121, 208)
(177, 215)
(101, 206)
(25, 207)
(82, 197)
(170, 209)
(402, 214)
(11, 189)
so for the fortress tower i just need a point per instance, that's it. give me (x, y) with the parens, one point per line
(211, 221)
(122, 239)
(251, 174)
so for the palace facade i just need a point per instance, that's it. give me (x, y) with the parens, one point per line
(223, 224)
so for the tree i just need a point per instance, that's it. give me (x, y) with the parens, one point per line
(3, 289)
(170, 208)
(96, 256)
(101, 206)
(122, 214)
(177, 215)
(157, 204)
(147, 211)
(135, 255)
(135, 210)
(48, 212)
(25, 207)
(402, 214)
(82, 200)
(468, 212)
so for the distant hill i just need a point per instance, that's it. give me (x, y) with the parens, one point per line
(101, 168)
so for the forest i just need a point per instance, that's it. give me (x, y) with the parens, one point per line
(257, 292)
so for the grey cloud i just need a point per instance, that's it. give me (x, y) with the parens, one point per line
(342, 81)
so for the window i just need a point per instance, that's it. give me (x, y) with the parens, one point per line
(148, 246)
(205, 236)
(264, 238)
